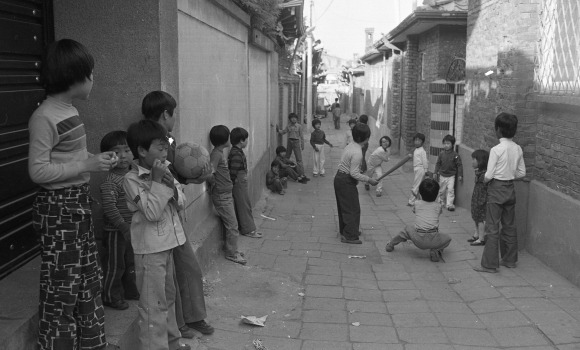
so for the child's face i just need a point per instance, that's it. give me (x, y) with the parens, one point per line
(293, 120)
(474, 163)
(157, 150)
(167, 120)
(351, 125)
(385, 143)
(418, 143)
(125, 156)
(447, 145)
(83, 89)
(317, 126)
(275, 169)
(282, 154)
(244, 144)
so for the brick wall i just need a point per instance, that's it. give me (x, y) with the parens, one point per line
(394, 98)
(410, 92)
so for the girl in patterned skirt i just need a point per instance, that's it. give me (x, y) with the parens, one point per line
(479, 198)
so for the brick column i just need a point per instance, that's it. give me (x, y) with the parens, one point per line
(410, 91)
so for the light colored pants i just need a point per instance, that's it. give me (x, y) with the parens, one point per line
(375, 172)
(419, 176)
(447, 184)
(156, 309)
(318, 167)
(224, 205)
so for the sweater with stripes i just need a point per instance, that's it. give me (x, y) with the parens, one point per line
(115, 210)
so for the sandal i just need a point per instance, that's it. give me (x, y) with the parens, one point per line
(253, 234)
(238, 258)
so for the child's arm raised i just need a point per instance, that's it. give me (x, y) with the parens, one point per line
(151, 202)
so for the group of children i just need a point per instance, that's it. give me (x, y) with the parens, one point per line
(148, 256)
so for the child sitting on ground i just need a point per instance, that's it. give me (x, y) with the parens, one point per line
(420, 166)
(288, 167)
(425, 233)
(479, 160)
(317, 141)
(447, 166)
(238, 166)
(273, 180)
(380, 155)
(119, 263)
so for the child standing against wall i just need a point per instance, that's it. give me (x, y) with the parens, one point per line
(71, 312)
(119, 268)
(377, 158)
(317, 141)
(420, 166)
(295, 142)
(506, 163)
(479, 160)
(238, 166)
(448, 165)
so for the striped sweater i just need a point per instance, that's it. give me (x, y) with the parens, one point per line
(115, 210)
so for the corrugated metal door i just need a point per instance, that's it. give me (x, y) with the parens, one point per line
(441, 124)
(25, 29)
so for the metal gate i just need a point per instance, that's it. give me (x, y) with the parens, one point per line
(25, 29)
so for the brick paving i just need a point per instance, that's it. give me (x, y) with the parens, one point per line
(398, 300)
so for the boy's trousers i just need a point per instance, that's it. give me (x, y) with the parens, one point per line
(375, 172)
(431, 239)
(318, 167)
(189, 300)
(119, 272)
(277, 186)
(447, 184)
(289, 172)
(501, 208)
(294, 145)
(242, 204)
(348, 205)
(224, 205)
(419, 175)
(71, 314)
(156, 321)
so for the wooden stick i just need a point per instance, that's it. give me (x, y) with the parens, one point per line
(396, 166)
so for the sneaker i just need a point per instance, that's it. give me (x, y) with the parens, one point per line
(187, 332)
(350, 241)
(202, 327)
(389, 247)
(451, 208)
(434, 255)
(119, 305)
(379, 193)
(314, 175)
(367, 187)
(322, 175)
(306, 178)
(303, 181)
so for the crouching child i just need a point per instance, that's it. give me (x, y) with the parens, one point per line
(273, 180)
(425, 233)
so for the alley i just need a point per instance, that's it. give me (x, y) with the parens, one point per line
(319, 293)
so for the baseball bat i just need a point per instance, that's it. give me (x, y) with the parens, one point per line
(396, 166)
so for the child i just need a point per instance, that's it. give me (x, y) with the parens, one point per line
(119, 272)
(155, 198)
(351, 124)
(273, 180)
(447, 166)
(425, 234)
(317, 140)
(506, 163)
(380, 155)
(238, 166)
(221, 192)
(295, 142)
(71, 314)
(420, 166)
(345, 183)
(160, 107)
(479, 160)
(336, 112)
(287, 166)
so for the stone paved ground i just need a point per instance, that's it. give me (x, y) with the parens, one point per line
(319, 295)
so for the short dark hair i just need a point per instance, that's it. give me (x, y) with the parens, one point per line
(351, 121)
(112, 139)
(316, 121)
(360, 132)
(280, 149)
(293, 115)
(429, 190)
(155, 102)
(336, 99)
(419, 136)
(66, 62)
(507, 124)
(449, 138)
(385, 138)
(482, 157)
(275, 163)
(238, 135)
(143, 133)
(219, 135)
(363, 119)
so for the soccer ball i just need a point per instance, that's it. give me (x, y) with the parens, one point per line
(190, 160)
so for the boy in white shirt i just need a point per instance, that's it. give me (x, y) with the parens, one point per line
(420, 166)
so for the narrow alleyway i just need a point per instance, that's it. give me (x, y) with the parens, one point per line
(320, 294)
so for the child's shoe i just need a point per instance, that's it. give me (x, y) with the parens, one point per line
(321, 175)
(202, 327)
(367, 187)
(314, 175)
(282, 192)
(389, 247)
(379, 193)
(303, 180)
(187, 332)
(434, 255)
(451, 208)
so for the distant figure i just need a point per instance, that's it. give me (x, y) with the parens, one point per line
(317, 140)
(479, 159)
(336, 112)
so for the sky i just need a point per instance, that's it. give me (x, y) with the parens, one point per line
(340, 24)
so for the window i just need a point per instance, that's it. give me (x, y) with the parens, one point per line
(557, 68)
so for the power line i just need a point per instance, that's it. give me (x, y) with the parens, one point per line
(324, 12)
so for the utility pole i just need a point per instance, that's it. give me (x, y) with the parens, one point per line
(309, 72)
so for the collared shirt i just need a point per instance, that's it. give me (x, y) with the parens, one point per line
(448, 164)
(221, 174)
(379, 156)
(506, 161)
(318, 137)
(351, 160)
(420, 159)
(115, 210)
(294, 131)
(237, 162)
(426, 215)
(155, 226)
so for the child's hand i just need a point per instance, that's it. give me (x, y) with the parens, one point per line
(168, 180)
(316, 149)
(100, 162)
(373, 182)
(158, 171)
(126, 232)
